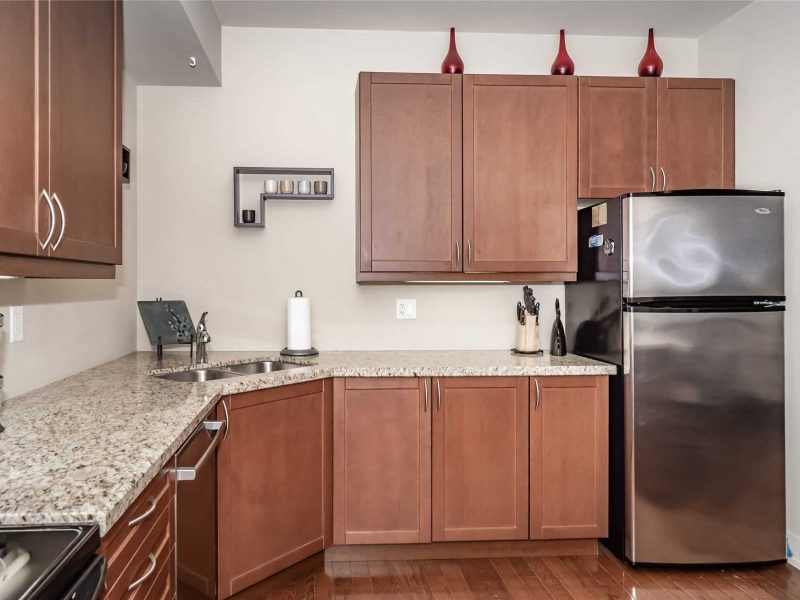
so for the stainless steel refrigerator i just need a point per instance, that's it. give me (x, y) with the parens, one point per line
(684, 291)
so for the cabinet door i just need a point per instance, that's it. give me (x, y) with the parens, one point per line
(382, 461)
(616, 136)
(520, 173)
(569, 457)
(273, 470)
(409, 172)
(480, 458)
(18, 103)
(696, 133)
(84, 108)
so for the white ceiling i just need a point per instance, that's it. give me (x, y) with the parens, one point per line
(159, 37)
(671, 18)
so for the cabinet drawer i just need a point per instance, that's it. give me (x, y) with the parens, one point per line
(142, 570)
(127, 535)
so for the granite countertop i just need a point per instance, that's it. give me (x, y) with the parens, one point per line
(83, 448)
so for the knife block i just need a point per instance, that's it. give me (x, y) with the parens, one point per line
(528, 337)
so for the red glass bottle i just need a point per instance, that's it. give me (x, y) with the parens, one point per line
(452, 62)
(651, 64)
(563, 64)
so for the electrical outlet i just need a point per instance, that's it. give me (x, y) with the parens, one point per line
(16, 332)
(407, 309)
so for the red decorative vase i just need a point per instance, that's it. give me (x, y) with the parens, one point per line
(563, 64)
(452, 62)
(651, 64)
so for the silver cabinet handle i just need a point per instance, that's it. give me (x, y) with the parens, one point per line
(55, 244)
(538, 394)
(145, 514)
(152, 558)
(438, 395)
(425, 384)
(46, 196)
(469, 253)
(653, 178)
(190, 473)
(458, 254)
(227, 420)
(664, 175)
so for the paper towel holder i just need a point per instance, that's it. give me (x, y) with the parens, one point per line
(307, 352)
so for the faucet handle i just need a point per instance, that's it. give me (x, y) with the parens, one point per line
(201, 324)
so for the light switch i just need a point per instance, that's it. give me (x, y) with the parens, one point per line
(16, 332)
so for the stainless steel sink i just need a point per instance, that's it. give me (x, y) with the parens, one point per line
(261, 366)
(197, 375)
(226, 371)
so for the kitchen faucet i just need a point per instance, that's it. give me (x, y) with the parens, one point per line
(202, 338)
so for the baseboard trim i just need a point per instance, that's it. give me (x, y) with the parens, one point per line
(459, 550)
(794, 543)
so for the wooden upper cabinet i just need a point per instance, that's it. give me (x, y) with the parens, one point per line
(617, 136)
(569, 457)
(273, 482)
(410, 172)
(382, 461)
(520, 179)
(480, 458)
(18, 188)
(84, 129)
(696, 133)
(681, 128)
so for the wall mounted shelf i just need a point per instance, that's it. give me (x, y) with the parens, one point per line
(278, 174)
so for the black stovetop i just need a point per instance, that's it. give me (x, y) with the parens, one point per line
(58, 555)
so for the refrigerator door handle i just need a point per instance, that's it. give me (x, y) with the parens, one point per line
(627, 337)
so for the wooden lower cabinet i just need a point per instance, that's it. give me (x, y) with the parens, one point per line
(569, 457)
(274, 482)
(382, 465)
(480, 458)
(139, 548)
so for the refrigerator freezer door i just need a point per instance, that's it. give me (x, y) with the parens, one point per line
(704, 431)
(703, 245)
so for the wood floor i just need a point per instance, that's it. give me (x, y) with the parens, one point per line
(564, 578)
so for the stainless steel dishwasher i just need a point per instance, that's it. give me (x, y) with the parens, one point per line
(196, 509)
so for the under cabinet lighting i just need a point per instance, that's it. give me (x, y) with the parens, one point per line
(455, 281)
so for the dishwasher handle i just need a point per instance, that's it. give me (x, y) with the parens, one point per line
(190, 473)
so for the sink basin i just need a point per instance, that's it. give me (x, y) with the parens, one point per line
(261, 366)
(197, 375)
(225, 371)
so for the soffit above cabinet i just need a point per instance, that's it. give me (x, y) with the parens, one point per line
(580, 17)
(161, 36)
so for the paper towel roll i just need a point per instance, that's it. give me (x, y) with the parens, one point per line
(298, 322)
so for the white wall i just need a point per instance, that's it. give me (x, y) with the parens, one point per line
(288, 99)
(759, 47)
(72, 325)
